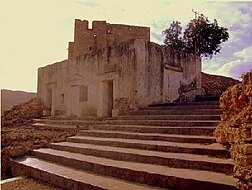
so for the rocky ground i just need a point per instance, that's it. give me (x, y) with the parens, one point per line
(27, 184)
(19, 140)
(19, 136)
(23, 113)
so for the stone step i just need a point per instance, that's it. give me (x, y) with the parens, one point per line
(174, 160)
(154, 175)
(189, 103)
(199, 131)
(176, 112)
(214, 149)
(170, 117)
(69, 122)
(62, 126)
(183, 107)
(207, 131)
(149, 136)
(206, 103)
(165, 122)
(70, 178)
(149, 122)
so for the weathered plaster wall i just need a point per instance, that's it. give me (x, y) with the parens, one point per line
(94, 71)
(172, 81)
(50, 88)
(136, 73)
(165, 75)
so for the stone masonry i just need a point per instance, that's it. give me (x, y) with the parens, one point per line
(114, 68)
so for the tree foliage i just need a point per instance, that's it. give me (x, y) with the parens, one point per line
(174, 36)
(201, 36)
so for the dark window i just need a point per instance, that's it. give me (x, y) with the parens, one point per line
(62, 98)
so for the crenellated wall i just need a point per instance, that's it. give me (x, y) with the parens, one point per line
(101, 35)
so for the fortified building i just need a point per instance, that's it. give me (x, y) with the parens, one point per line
(112, 69)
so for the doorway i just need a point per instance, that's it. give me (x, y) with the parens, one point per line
(74, 98)
(48, 103)
(108, 98)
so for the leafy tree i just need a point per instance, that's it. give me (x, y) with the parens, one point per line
(201, 36)
(174, 36)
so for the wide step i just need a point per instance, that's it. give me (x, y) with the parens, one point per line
(165, 122)
(184, 107)
(171, 117)
(148, 136)
(175, 160)
(207, 131)
(213, 149)
(149, 122)
(161, 146)
(176, 112)
(69, 178)
(153, 175)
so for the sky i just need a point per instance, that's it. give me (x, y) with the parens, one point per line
(35, 33)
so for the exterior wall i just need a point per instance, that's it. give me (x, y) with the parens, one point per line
(51, 87)
(94, 71)
(122, 71)
(166, 75)
(172, 81)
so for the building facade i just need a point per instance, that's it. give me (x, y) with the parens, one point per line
(112, 69)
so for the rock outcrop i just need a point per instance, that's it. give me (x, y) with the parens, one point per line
(9, 98)
(23, 113)
(214, 85)
(235, 128)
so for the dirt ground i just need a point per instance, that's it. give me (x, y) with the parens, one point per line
(19, 140)
(27, 184)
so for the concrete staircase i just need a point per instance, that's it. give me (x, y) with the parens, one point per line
(165, 147)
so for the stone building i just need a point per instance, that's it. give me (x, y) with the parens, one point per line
(114, 68)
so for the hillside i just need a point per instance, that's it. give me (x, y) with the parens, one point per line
(215, 85)
(10, 98)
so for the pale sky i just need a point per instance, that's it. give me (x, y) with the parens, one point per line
(35, 33)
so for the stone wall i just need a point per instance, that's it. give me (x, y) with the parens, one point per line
(235, 129)
(101, 35)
